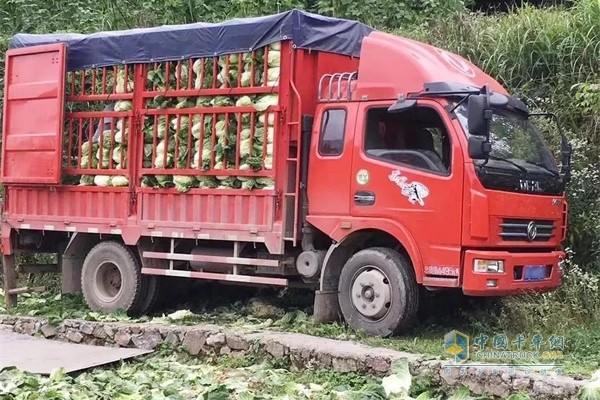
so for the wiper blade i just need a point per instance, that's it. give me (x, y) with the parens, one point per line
(522, 169)
(542, 166)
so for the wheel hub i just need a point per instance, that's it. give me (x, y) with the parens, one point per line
(108, 281)
(371, 293)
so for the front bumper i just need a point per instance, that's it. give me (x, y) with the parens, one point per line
(514, 279)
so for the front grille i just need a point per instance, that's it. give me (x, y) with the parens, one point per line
(517, 230)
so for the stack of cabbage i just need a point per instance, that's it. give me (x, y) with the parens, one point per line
(96, 155)
(182, 143)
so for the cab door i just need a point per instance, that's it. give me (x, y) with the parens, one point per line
(331, 161)
(408, 167)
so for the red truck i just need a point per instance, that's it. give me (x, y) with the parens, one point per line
(286, 150)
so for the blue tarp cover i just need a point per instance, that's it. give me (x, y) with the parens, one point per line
(175, 42)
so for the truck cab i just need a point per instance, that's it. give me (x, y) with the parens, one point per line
(426, 154)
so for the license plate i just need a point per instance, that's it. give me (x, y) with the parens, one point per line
(535, 272)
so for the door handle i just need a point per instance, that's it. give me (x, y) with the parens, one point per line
(364, 198)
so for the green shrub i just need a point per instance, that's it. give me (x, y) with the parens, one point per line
(575, 303)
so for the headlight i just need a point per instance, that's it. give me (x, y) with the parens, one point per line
(488, 266)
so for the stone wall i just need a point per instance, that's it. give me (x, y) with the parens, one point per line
(302, 351)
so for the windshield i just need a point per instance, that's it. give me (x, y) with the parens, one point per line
(515, 141)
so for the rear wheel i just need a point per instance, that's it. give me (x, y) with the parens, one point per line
(111, 279)
(378, 292)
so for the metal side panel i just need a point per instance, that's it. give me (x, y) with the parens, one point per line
(33, 115)
(67, 204)
(219, 209)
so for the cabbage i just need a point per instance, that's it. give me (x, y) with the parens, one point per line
(119, 180)
(197, 130)
(183, 183)
(163, 161)
(246, 79)
(273, 74)
(270, 119)
(163, 145)
(123, 105)
(270, 134)
(147, 150)
(275, 46)
(269, 149)
(269, 162)
(149, 181)
(184, 122)
(244, 101)
(245, 133)
(221, 101)
(207, 182)
(203, 101)
(265, 102)
(591, 390)
(245, 148)
(220, 128)
(121, 136)
(227, 182)
(120, 123)
(120, 86)
(103, 156)
(184, 75)
(161, 129)
(230, 81)
(102, 180)
(182, 102)
(87, 155)
(164, 180)
(86, 180)
(85, 162)
(265, 183)
(247, 183)
(197, 66)
(119, 152)
(85, 148)
(274, 58)
(233, 60)
(203, 80)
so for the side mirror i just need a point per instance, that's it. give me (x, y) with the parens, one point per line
(478, 114)
(479, 147)
(402, 105)
(566, 152)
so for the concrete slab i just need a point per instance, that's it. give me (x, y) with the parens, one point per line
(41, 356)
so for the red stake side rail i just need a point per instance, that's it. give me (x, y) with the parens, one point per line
(146, 100)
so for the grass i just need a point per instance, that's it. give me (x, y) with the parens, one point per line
(290, 311)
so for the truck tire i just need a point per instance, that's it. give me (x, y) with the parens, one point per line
(111, 279)
(378, 292)
(149, 295)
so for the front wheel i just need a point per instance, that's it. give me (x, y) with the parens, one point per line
(378, 292)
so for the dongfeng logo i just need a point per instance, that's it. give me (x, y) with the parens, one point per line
(531, 231)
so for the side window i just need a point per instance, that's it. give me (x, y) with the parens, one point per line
(417, 138)
(333, 126)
